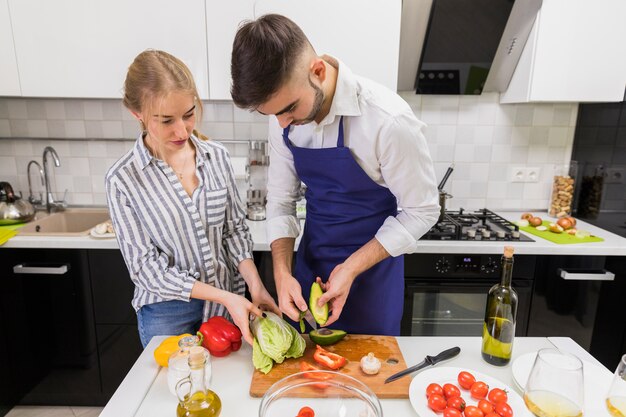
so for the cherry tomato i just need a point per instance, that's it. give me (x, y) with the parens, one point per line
(456, 402)
(434, 389)
(437, 402)
(306, 412)
(451, 390)
(485, 406)
(479, 390)
(504, 410)
(498, 395)
(452, 412)
(471, 411)
(466, 380)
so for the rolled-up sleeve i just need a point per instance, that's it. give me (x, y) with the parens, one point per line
(408, 171)
(149, 268)
(283, 188)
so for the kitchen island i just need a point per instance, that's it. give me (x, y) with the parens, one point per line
(144, 392)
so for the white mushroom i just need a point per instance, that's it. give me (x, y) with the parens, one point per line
(370, 364)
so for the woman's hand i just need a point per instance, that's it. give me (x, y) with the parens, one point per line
(240, 309)
(262, 299)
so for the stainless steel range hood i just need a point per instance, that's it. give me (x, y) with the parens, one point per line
(426, 27)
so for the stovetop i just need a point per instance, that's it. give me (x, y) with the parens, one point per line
(475, 226)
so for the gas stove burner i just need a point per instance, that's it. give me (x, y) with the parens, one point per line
(477, 226)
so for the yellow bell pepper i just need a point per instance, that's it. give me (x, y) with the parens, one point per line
(168, 346)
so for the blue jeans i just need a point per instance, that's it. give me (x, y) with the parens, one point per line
(169, 318)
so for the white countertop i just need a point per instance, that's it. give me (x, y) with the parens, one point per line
(144, 392)
(613, 244)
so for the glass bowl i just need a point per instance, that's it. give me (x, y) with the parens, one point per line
(327, 393)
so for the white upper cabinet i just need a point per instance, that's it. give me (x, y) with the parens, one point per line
(69, 48)
(364, 34)
(575, 53)
(222, 21)
(9, 79)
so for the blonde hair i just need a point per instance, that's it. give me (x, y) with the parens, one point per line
(152, 76)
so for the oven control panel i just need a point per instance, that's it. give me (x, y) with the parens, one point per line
(459, 265)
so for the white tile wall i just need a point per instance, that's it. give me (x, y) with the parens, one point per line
(483, 138)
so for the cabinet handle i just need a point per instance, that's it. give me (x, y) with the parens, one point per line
(587, 275)
(44, 270)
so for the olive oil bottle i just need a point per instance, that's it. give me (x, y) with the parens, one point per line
(500, 313)
(195, 398)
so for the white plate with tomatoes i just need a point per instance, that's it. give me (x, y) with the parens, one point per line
(509, 403)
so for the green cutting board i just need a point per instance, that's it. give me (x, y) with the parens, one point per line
(12, 226)
(560, 238)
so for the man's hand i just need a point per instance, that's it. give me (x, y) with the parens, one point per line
(290, 298)
(337, 289)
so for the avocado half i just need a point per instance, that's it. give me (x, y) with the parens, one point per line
(326, 336)
(320, 314)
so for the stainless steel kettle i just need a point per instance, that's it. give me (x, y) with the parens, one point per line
(13, 209)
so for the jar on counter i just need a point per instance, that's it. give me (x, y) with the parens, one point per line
(590, 197)
(178, 366)
(563, 186)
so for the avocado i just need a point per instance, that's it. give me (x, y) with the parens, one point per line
(320, 314)
(326, 336)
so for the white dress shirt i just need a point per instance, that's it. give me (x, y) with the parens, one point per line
(386, 140)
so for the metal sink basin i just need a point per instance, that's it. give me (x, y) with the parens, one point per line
(72, 222)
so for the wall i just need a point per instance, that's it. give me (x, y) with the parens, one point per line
(484, 139)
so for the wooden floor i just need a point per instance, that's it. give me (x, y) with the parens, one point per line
(49, 411)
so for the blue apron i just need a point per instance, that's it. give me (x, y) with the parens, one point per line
(344, 210)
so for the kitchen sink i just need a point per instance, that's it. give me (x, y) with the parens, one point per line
(72, 222)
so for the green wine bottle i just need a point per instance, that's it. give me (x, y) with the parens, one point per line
(500, 313)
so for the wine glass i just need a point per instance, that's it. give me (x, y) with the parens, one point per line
(616, 397)
(555, 385)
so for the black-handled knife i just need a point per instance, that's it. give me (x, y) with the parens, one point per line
(428, 361)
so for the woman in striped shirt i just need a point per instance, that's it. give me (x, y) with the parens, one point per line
(178, 218)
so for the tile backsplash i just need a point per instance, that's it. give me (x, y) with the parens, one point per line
(485, 140)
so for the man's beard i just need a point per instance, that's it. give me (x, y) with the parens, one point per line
(317, 106)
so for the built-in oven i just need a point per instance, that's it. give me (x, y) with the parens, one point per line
(445, 295)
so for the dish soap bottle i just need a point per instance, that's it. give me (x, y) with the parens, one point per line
(500, 313)
(195, 398)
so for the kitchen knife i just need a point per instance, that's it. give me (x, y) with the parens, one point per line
(308, 316)
(428, 361)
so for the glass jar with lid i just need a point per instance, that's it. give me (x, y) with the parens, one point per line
(178, 363)
(563, 187)
(591, 186)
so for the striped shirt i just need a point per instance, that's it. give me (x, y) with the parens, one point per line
(170, 240)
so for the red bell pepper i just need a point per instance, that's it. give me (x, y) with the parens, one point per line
(319, 376)
(329, 359)
(220, 336)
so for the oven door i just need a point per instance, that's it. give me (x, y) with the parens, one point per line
(455, 307)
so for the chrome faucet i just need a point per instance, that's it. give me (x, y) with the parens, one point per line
(51, 204)
(34, 200)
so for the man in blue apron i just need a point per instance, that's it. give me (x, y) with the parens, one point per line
(359, 149)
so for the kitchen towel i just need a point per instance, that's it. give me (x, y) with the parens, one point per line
(6, 235)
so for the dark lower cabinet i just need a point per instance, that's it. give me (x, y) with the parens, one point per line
(68, 332)
(116, 322)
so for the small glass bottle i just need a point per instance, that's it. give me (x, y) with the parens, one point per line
(178, 363)
(500, 314)
(194, 396)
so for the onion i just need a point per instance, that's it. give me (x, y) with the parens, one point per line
(535, 221)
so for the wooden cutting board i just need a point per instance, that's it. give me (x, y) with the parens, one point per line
(353, 348)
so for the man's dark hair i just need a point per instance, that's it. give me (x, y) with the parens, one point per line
(265, 52)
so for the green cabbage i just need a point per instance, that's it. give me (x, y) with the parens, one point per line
(276, 340)
(261, 361)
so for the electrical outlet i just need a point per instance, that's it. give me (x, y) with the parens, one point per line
(525, 174)
(615, 175)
